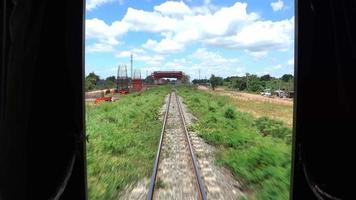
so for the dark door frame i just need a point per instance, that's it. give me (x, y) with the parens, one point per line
(42, 115)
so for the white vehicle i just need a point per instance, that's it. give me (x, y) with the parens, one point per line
(266, 92)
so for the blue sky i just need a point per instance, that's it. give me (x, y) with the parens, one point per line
(221, 37)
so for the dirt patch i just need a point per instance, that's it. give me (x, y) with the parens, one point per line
(249, 97)
(257, 105)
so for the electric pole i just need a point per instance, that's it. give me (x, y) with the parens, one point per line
(247, 81)
(131, 67)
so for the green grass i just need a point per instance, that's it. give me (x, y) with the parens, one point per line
(123, 140)
(258, 151)
(278, 111)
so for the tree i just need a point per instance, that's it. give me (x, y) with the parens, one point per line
(111, 78)
(287, 77)
(91, 80)
(89, 85)
(110, 81)
(93, 76)
(266, 77)
(216, 81)
(200, 81)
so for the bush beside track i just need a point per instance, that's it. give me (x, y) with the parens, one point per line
(123, 140)
(258, 151)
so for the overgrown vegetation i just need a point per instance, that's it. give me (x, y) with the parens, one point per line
(123, 139)
(93, 82)
(258, 151)
(250, 82)
(276, 129)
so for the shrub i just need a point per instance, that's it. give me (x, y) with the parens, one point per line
(273, 128)
(250, 147)
(212, 108)
(230, 113)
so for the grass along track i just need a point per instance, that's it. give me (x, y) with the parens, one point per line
(123, 139)
(258, 151)
(259, 106)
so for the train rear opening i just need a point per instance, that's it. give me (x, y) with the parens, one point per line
(189, 99)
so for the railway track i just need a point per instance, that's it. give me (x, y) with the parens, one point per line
(176, 174)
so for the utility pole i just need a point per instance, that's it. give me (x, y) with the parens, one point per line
(131, 67)
(117, 78)
(199, 74)
(247, 81)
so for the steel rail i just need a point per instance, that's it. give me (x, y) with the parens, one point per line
(202, 193)
(154, 174)
(194, 160)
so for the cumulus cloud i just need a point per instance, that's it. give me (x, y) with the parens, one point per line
(165, 46)
(258, 54)
(214, 63)
(278, 5)
(173, 8)
(99, 47)
(91, 4)
(260, 36)
(142, 55)
(180, 25)
(106, 35)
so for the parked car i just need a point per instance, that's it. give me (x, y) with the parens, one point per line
(266, 92)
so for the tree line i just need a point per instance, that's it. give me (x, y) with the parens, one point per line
(250, 82)
(94, 82)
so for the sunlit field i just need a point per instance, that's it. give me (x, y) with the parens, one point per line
(257, 150)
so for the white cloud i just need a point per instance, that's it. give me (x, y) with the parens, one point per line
(214, 63)
(275, 70)
(277, 67)
(180, 25)
(99, 47)
(91, 4)
(260, 36)
(257, 54)
(173, 9)
(145, 21)
(278, 5)
(107, 35)
(165, 46)
(178, 31)
(142, 55)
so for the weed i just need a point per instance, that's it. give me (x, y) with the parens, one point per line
(230, 113)
(123, 141)
(256, 150)
(160, 184)
(273, 128)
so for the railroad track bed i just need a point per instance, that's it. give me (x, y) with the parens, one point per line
(176, 173)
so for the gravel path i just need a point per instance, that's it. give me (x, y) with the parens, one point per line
(175, 177)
